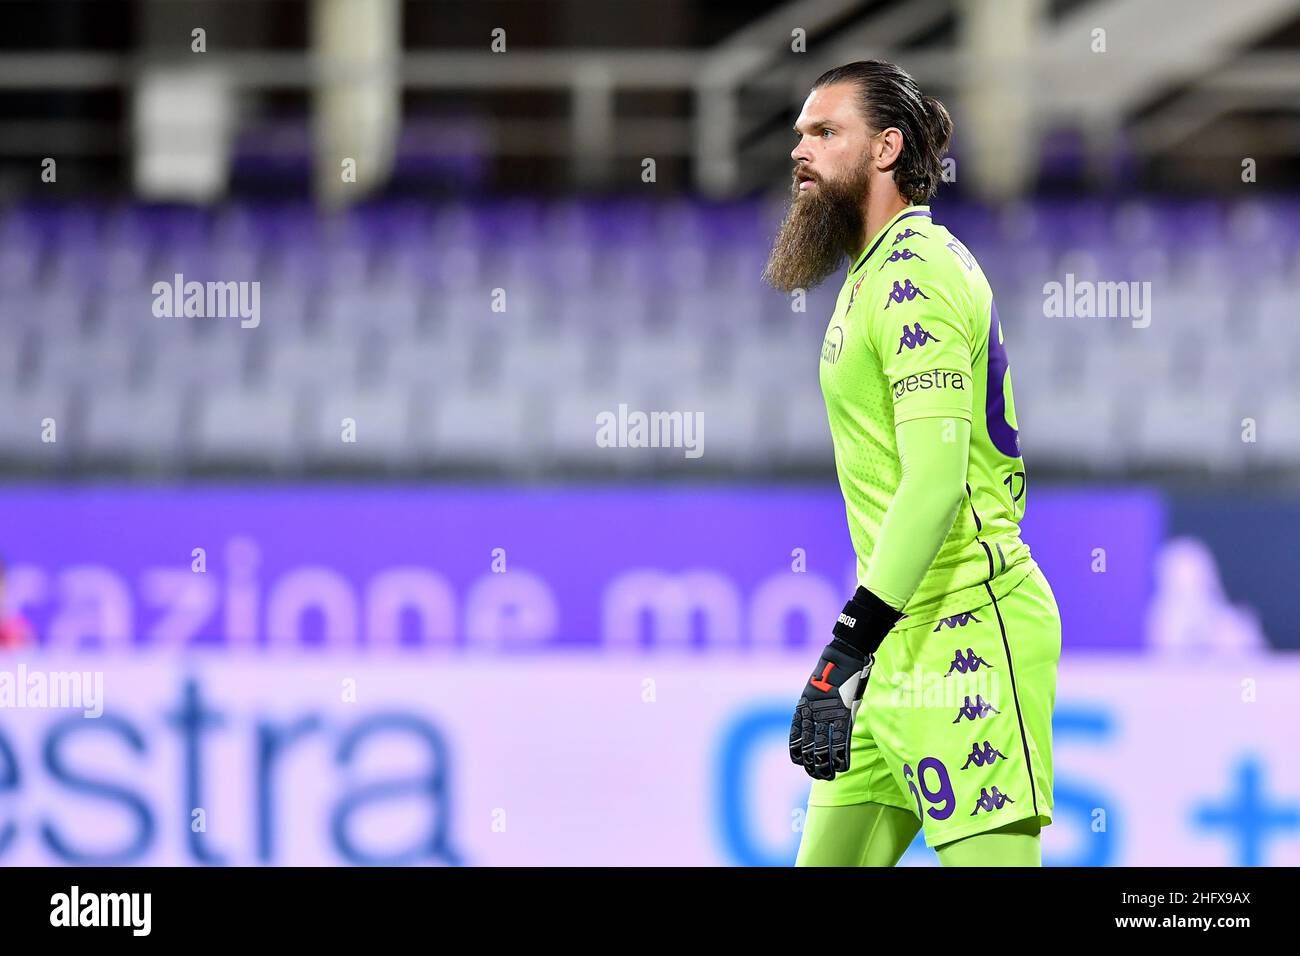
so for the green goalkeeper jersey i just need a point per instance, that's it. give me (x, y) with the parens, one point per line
(915, 334)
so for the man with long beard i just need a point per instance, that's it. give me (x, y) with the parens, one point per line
(932, 705)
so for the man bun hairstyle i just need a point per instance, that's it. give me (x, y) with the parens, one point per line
(888, 96)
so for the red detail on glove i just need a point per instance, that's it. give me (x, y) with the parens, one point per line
(823, 684)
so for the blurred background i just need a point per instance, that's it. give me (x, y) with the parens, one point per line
(314, 319)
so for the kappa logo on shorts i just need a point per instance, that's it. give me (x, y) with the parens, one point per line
(989, 755)
(971, 662)
(990, 801)
(957, 620)
(981, 708)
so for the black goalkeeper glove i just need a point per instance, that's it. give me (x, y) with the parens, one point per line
(822, 729)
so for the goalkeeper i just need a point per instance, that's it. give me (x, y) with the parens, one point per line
(931, 707)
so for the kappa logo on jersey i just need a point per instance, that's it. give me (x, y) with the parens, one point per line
(914, 337)
(971, 662)
(833, 344)
(989, 755)
(989, 802)
(981, 708)
(899, 255)
(904, 293)
(957, 620)
(907, 234)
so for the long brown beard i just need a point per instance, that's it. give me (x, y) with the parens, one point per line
(820, 228)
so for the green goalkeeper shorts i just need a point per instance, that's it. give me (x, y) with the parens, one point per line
(956, 722)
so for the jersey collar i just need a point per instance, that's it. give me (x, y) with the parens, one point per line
(880, 236)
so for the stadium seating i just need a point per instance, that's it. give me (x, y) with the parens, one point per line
(489, 336)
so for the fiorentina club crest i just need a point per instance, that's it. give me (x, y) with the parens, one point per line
(854, 294)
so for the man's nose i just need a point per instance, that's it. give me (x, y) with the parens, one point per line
(801, 153)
